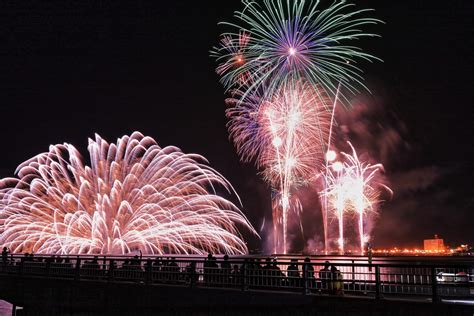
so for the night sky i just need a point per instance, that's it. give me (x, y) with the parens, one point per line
(69, 69)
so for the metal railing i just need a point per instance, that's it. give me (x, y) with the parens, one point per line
(247, 273)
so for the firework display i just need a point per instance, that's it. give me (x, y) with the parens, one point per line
(277, 41)
(286, 136)
(352, 187)
(286, 64)
(134, 195)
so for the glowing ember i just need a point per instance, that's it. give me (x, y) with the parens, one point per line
(330, 155)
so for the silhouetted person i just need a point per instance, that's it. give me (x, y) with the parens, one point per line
(173, 270)
(325, 276)
(214, 270)
(225, 270)
(5, 255)
(369, 255)
(157, 265)
(135, 261)
(258, 272)
(148, 265)
(267, 272)
(277, 275)
(309, 273)
(113, 269)
(235, 275)
(191, 275)
(293, 274)
(336, 281)
(207, 269)
(148, 271)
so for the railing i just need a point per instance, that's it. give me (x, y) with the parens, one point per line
(245, 273)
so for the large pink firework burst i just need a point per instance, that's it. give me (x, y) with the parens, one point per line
(135, 195)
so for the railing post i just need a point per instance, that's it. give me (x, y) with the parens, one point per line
(21, 267)
(111, 270)
(48, 268)
(353, 275)
(148, 272)
(305, 279)
(434, 286)
(243, 272)
(377, 282)
(78, 269)
(192, 275)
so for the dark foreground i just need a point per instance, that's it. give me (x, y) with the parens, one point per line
(91, 298)
(194, 286)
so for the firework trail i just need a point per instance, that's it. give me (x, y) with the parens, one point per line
(353, 186)
(135, 195)
(294, 39)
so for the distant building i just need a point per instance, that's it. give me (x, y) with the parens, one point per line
(436, 244)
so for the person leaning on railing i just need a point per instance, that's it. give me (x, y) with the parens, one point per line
(5, 258)
(293, 274)
(5, 253)
(225, 270)
(325, 276)
(277, 275)
(174, 270)
(336, 284)
(309, 270)
(267, 272)
(236, 275)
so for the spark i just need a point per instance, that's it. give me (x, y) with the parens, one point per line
(330, 155)
(337, 166)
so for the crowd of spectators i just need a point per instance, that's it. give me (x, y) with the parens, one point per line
(251, 272)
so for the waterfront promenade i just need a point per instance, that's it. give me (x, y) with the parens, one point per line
(275, 280)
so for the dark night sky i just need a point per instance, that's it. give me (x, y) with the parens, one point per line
(69, 69)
